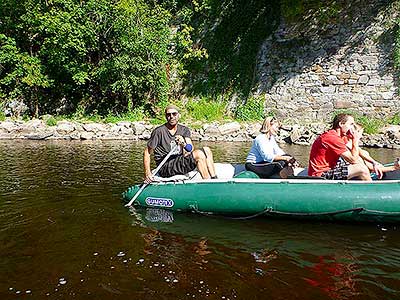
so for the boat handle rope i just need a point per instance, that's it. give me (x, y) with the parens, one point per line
(270, 211)
(210, 214)
(380, 212)
(360, 210)
(328, 213)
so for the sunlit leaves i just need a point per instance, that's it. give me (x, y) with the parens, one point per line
(19, 72)
(107, 53)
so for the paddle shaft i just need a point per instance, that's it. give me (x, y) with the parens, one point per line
(153, 173)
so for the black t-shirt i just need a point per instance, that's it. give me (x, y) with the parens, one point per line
(162, 141)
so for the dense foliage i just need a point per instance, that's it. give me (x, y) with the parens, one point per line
(228, 36)
(63, 56)
(129, 57)
(99, 54)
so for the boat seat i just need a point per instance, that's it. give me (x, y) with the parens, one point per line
(247, 174)
(301, 172)
(228, 171)
(223, 171)
(188, 176)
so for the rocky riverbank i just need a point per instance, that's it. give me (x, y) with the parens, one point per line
(36, 129)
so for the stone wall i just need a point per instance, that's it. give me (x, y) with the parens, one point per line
(311, 68)
(233, 132)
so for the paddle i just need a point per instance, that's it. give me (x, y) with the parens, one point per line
(143, 186)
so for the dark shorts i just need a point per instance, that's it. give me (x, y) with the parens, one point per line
(178, 165)
(265, 169)
(339, 172)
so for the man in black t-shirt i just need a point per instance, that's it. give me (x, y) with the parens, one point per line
(184, 159)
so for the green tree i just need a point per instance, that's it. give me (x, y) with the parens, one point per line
(137, 71)
(21, 75)
(99, 54)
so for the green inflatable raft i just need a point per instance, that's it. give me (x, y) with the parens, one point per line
(244, 195)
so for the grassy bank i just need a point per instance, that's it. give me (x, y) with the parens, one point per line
(195, 112)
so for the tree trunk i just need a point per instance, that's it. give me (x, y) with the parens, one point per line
(36, 103)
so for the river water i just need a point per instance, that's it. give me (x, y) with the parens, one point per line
(65, 234)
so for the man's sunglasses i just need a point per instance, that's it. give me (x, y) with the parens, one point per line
(174, 114)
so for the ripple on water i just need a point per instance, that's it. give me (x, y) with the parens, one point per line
(62, 221)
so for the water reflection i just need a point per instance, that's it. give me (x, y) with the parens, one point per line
(327, 261)
(335, 276)
(65, 233)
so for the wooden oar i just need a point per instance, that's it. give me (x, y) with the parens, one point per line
(153, 173)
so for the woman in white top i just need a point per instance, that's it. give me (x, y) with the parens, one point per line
(266, 158)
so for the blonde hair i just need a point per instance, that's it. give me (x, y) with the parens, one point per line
(266, 126)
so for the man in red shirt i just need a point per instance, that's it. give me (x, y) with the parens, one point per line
(329, 156)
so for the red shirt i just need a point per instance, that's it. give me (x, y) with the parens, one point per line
(325, 152)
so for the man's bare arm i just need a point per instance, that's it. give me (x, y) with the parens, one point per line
(148, 177)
